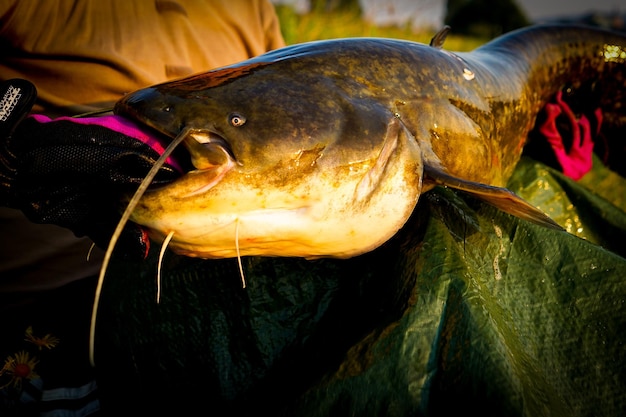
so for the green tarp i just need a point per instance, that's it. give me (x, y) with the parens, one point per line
(466, 310)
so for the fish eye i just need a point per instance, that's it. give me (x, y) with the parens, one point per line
(236, 119)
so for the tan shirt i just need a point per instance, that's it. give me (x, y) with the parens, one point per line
(92, 52)
(84, 55)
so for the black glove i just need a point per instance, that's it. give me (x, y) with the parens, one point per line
(74, 172)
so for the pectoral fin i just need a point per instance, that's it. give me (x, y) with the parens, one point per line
(371, 180)
(498, 197)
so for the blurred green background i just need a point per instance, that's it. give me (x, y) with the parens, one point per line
(473, 22)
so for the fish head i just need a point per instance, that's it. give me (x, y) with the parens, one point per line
(284, 162)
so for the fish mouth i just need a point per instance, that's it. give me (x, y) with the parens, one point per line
(205, 156)
(211, 158)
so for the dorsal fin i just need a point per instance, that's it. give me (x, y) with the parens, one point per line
(499, 197)
(440, 37)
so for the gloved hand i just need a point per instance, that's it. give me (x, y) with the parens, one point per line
(562, 124)
(566, 132)
(73, 172)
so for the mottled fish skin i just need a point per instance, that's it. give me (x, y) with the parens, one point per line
(359, 108)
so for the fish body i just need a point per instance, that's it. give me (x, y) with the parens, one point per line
(322, 149)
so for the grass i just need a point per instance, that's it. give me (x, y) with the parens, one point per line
(347, 23)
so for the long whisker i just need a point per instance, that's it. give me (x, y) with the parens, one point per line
(161, 254)
(93, 113)
(243, 278)
(93, 245)
(118, 230)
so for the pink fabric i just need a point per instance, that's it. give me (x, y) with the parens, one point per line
(117, 124)
(578, 161)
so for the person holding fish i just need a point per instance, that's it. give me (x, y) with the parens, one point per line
(81, 57)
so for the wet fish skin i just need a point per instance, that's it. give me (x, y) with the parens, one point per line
(346, 134)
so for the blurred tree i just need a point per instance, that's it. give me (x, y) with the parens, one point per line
(484, 18)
